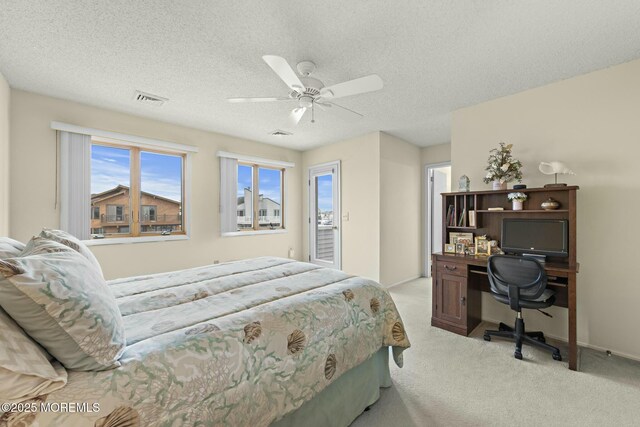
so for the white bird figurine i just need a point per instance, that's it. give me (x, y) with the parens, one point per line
(555, 168)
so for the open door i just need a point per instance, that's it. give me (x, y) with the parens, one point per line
(438, 181)
(324, 215)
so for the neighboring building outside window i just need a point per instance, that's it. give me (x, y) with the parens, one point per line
(139, 190)
(266, 203)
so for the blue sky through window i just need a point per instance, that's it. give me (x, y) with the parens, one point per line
(325, 193)
(161, 174)
(269, 182)
(244, 179)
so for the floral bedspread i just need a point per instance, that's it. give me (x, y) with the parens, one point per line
(240, 344)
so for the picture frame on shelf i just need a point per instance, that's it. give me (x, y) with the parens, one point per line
(483, 247)
(471, 250)
(455, 237)
(449, 248)
(460, 248)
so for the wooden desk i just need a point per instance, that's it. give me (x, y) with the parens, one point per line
(457, 283)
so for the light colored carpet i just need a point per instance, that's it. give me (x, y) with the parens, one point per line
(450, 380)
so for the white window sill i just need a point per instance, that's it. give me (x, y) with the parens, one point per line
(253, 232)
(127, 240)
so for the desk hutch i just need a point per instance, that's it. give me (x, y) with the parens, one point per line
(458, 280)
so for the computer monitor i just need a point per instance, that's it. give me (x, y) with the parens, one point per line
(535, 236)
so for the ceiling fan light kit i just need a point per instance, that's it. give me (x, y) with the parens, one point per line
(309, 91)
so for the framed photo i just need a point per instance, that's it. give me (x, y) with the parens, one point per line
(471, 250)
(460, 248)
(449, 248)
(465, 238)
(482, 246)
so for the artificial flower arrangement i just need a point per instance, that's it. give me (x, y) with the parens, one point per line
(502, 166)
(520, 197)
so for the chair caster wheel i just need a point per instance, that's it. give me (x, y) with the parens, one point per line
(556, 356)
(517, 355)
(487, 337)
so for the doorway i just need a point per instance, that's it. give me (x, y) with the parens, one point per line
(324, 215)
(438, 180)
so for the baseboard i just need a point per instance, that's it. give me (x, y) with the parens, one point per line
(581, 344)
(403, 281)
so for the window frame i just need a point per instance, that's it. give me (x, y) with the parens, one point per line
(93, 212)
(255, 194)
(135, 192)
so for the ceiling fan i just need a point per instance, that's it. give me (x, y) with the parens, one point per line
(311, 92)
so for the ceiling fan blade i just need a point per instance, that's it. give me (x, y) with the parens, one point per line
(235, 100)
(284, 71)
(295, 116)
(365, 84)
(340, 111)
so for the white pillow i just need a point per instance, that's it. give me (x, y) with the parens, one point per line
(26, 370)
(74, 243)
(10, 248)
(60, 299)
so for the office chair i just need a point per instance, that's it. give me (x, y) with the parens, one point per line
(520, 282)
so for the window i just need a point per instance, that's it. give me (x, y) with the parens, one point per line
(264, 202)
(149, 213)
(107, 177)
(260, 195)
(134, 185)
(252, 194)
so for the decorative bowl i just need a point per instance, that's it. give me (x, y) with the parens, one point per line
(550, 204)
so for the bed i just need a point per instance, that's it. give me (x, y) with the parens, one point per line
(246, 343)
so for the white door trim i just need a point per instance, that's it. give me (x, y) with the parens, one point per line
(428, 200)
(334, 168)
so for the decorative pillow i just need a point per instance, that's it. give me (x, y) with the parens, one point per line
(58, 297)
(10, 248)
(74, 243)
(25, 368)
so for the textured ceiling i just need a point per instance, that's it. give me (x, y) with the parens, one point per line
(434, 56)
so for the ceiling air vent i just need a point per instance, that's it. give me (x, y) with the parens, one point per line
(279, 132)
(149, 99)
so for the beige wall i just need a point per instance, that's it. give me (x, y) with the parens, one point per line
(591, 122)
(360, 198)
(380, 194)
(436, 154)
(5, 97)
(400, 220)
(33, 178)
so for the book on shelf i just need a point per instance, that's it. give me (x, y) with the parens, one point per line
(472, 218)
(495, 209)
(450, 216)
(463, 218)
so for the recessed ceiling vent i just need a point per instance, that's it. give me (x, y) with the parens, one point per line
(149, 99)
(279, 132)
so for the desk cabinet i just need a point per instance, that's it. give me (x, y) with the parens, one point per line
(459, 280)
(454, 301)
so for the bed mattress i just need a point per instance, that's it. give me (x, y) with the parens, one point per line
(241, 343)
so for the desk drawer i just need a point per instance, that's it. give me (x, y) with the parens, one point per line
(453, 268)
